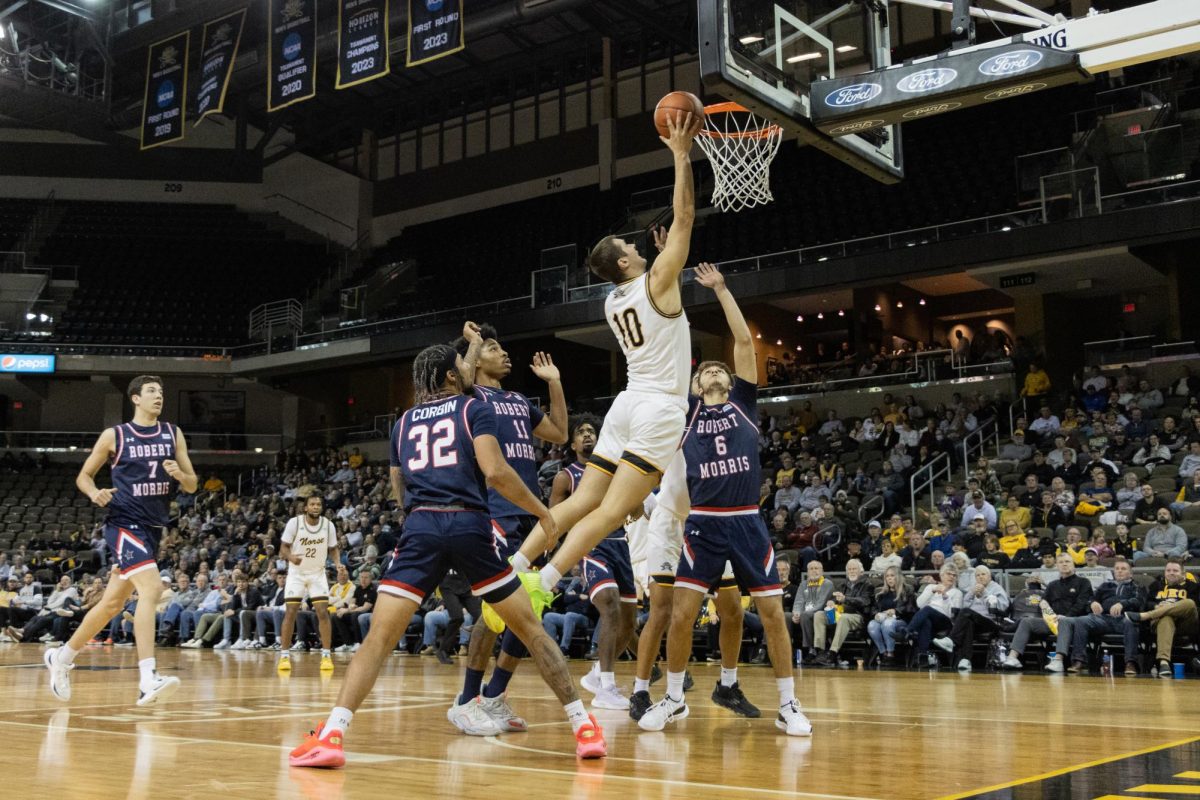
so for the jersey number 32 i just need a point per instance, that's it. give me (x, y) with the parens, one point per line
(433, 444)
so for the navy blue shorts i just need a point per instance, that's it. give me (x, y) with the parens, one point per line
(739, 537)
(134, 547)
(609, 566)
(512, 532)
(435, 541)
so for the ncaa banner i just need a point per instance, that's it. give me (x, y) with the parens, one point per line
(291, 52)
(435, 29)
(166, 88)
(218, 49)
(362, 42)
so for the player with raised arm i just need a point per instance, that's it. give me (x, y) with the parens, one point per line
(308, 540)
(518, 423)
(444, 455)
(643, 427)
(721, 452)
(147, 457)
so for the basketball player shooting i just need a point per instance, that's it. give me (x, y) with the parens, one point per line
(643, 428)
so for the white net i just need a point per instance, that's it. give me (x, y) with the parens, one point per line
(740, 147)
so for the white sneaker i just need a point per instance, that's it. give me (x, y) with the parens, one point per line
(60, 675)
(662, 712)
(792, 720)
(240, 644)
(1055, 665)
(611, 699)
(355, 648)
(45, 637)
(964, 665)
(193, 644)
(274, 646)
(297, 647)
(344, 648)
(591, 681)
(472, 719)
(502, 714)
(224, 644)
(944, 643)
(161, 689)
(4, 637)
(256, 645)
(1011, 662)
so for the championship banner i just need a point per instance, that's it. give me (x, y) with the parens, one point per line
(218, 49)
(166, 88)
(435, 29)
(362, 42)
(291, 52)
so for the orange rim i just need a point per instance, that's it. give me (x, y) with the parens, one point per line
(730, 107)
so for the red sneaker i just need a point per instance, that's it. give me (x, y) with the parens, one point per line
(589, 740)
(319, 750)
(108, 640)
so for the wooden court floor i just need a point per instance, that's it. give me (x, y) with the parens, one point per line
(876, 735)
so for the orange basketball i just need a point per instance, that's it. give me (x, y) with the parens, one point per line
(677, 104)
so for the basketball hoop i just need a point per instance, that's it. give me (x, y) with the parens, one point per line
(740, 147)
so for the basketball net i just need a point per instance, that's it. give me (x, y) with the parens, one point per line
(740, 147)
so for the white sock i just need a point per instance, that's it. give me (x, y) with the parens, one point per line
(641, 685)
(339, 719)
(675, 685)
(66, 654)
(577, 714)
(520, 563)
(728, 676)
(787, 690)
(285, 654)
(146, 668)
(324, 652)
(608, 680)
(550, 577)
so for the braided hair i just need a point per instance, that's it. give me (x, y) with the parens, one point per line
(430, 368)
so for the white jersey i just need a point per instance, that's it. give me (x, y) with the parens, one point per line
(310, 543)
(657, 346)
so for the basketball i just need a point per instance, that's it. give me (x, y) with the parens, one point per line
(676, 103)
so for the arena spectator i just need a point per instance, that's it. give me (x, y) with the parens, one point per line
(1190, 463)
(887, 558)
(915, 557)
(1189, 494)
(787, 497)
(936, 606)
(810, 601)
(1107, 616)
(1172, 599)
(851, 604)
(981, 605)
(979, 507)
(270, 613)
(61, 600)
(1164, 540)
(895, 605)
(1068, 596)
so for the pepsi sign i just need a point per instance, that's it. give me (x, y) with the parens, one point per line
(27, 364)
(927, 80)
(1013, 62)
(854, 95)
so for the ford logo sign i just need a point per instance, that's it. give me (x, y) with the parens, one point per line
(927, 80)
(854, 95)
(925, 111)
(1014, 91)
(1011, 63)
(854, 127)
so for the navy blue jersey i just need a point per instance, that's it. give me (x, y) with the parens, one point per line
(721, 450)
(143, 495)
(434, 445)
(575, 473)
(516, 418)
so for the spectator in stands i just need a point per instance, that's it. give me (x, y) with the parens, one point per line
(1015, 451)
(831, 424)
(915, 557)
(8, 592)
(1046, 426)
(1164, 540)
(28, 602)
(1190, 462)
(1129, 493)
(61, 600)
(992, 556)
(574, 614)
(939, 537)
(787, 497)
(951, 504)
(1171, 435)
(787, 466)
(1068, 596)
(1189, 494)
(891, 486)
(1096, 380)
(814, 594)
(895, 605)
(936, 605)
(271, 613)
(1152, 454)
(345, 474)
(1015, 512)
(962, 348)
(1109, 603)
(1097, 496)
(1037, 382)
(852, 602)
(779, 529)
(980, 606)
(213, 484)
(1092, 570)
(346, 617)
(1029, 557)
(887, 558)
(814, 494)
(1173, 597)
(1075, 546)
(979, 507)
(1138, 427)
(1048, 514)
(1145, 510)
(1148, 398)
(209, 609)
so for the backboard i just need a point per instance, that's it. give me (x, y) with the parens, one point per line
(769, 54)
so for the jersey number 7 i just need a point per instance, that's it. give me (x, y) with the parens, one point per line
(442, 436)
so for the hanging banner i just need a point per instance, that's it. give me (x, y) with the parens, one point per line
(435, 29)
(218, 49)
(292, 52)
(166, 88)
(362, 42)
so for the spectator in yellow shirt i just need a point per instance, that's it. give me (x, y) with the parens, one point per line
(214, 484)
(1037, 382)
(356, 459)
(1013, 539)
(1015, 512)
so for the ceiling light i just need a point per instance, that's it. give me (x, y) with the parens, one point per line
(878, 307)
(841, 312)
(750, 39)
(758, 336)
(799, 347)
(3, 33)
(899, 304)
(803, 57)
(258, 449)
(846, 48)
(800, 318)
(823, 258)
(779, 342)
(820, 315)
(921, 302)
(1006, 229)
(30, 316)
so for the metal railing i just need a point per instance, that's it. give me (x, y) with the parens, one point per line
(72, 441)
(917, 372)
(976, 441)
(926, 478)
(286, 314)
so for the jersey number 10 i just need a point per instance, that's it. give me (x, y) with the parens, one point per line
(630, 327)
(441, 435)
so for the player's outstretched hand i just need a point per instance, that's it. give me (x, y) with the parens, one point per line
(171, 467)
(103, 497)
(471, 332)
(543, 366)
(681, 132)
(708, 275)
(659, 233)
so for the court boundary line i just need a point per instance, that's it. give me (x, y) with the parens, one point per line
(1065, 770)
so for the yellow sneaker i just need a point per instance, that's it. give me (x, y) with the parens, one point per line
(539, 598)
(326, 664)
(491, 619)
(285, 664)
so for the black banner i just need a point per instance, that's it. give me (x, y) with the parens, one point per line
(435, 29)
(362, 42)
(218, 49)
(166, 88)
(292, 52)
(857, 103)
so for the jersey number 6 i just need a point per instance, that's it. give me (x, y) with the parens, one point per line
(442, 435)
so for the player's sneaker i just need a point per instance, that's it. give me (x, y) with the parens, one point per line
(285, 663)
(611, 699)
(731, 697)
(471, 718)
(502, 714)
(491, 619)
(539, 598)
(591, 681)
(161, 689)
(319, 749)
(639, 703)
(60, 675)
(655, 674)
(662, 712)
(589, 740)
(688, 683)
(326, 664)
(792, 720)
